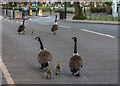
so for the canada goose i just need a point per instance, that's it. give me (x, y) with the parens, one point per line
(58, 68)
(75, 62)
(44, 56)
(48, 73)
(21, 27)
(54, 26)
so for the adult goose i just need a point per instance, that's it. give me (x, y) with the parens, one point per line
(75, 62)
(21, 27)
(44, 56)
(54, 27)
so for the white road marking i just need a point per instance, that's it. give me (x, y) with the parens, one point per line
(98, 33)
(5, 72)
(5, 19)
(8, 20)
(64, 26)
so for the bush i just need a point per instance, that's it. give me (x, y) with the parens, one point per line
(68, 10)
(44, 9)
(59, 9)
(4, 7)
(98, 9)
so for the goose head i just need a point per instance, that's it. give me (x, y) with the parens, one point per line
(74, 38)
(37, 38)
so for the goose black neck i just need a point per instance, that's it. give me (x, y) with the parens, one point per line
(75, 47)
(23, 22)
(41, 44)
(55, 18)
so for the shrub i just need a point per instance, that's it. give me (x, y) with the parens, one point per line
(59, 9)
(68, 10)
(98, 9)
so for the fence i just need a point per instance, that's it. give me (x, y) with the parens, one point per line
(101, 16)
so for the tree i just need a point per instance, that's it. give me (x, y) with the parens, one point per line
(78, 12)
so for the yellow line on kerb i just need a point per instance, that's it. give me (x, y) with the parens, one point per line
(6, 73)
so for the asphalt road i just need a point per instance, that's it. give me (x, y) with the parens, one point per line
(101, 28)
(99, 53)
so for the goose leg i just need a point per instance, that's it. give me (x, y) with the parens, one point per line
(54, 32)
(48, 77)
(41, 66)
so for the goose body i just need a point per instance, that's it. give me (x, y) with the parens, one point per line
(44, 56)
(75, 62)
(21, 27)
(58, 68)
(54, 28)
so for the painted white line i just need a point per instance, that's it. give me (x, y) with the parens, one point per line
(98, 33)
(5, 19)
(64, 26)
(6, 73)
(8, 20)
(11, 20)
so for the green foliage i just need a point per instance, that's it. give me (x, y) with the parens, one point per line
(59, 9)
(108, 3)
(68, 10)
(45, 9)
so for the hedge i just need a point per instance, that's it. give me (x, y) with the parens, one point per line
(98, 9)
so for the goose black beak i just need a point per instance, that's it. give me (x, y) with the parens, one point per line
(37, 38)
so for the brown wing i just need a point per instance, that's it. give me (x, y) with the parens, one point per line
(44, 56)
(21, 28)
(75, 62)
(54, 27)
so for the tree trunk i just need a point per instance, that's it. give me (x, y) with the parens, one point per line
(78, 12)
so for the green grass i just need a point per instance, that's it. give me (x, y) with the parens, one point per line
(88, 9)
(103, 19)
